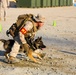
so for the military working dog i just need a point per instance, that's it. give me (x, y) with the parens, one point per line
(35, 46)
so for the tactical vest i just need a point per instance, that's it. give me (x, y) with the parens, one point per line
(22, 19)
(20, 23)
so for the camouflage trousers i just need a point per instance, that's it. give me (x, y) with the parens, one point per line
(20, 39)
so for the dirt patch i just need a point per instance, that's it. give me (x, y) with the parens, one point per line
(63, 62)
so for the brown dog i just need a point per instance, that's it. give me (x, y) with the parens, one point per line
(37, 44)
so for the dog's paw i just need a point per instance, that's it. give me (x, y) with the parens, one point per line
(39, 62)
(43, 55)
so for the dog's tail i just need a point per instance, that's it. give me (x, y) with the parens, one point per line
(2, 40)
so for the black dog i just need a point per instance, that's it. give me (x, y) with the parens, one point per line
(37, 44)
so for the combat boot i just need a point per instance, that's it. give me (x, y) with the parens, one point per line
(12, 60)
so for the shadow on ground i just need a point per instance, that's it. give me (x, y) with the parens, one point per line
(2, 53)
(68, 52)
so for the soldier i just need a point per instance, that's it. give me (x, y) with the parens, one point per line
(29, 29)
(3, 4)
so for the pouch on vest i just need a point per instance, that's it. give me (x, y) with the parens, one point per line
(13, 31)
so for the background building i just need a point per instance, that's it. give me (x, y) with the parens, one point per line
(40, 3)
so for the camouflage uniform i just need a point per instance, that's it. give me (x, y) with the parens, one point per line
(20, 39)
(3, 4)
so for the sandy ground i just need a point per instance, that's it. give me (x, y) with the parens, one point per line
(60, 58)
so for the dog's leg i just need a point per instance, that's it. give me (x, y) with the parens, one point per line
(39, 56)
(6, 55)
(31, 56)
(36, 55)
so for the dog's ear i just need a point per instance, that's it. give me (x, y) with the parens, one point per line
(38, 38)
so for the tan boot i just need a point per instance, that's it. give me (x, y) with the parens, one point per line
(12, 60)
